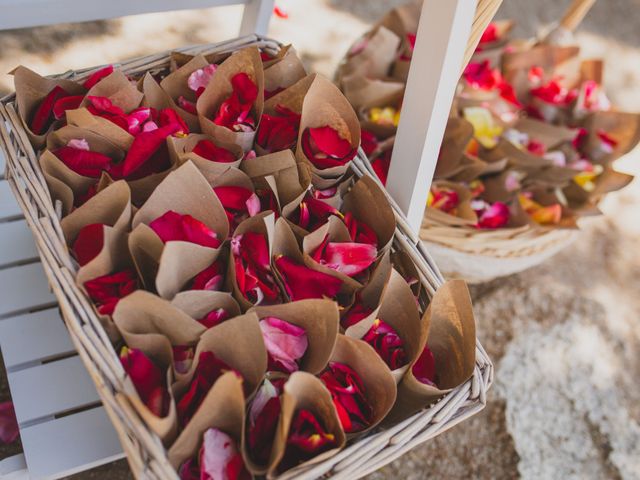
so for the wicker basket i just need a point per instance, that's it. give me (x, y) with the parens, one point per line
(146, 455)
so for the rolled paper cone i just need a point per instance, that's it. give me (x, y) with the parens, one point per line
(156, 97)
(101, 126)
(97, 143)
(179, 59)
(551, 136)
(337, 232)
(198, 303)
(220, 88)
(152, 325)
(623, 127)
(198, 200)
(402, 19)
(449, 332)
(458, 134)
(176, 83)
(375, 59)
(380, 387)
(111, 207)
(263, 223)
(404, 265)
(167, 267)
(324, 105)
(516, 158)
(223, 409)
(181, 151)
(382, 131)
(31, 89)
(371, 296)
(318, 318)
(118, 89)
(283, 71)
(233, 177)
(369, 204)
(464, 214)
(358, 90)
(238, 343)
(304, 391)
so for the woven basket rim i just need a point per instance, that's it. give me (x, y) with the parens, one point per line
(147, 457)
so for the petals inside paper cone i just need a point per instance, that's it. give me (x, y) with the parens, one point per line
(325, 148)
(263, 416)
(88, 243)
(387, 343)
(148, 379)
(253, 269)
(302, 282)
(349, 258)
(209, 150)
(279, 131)
(219, 458)
(175, 227)
(106, 291)
(211, 278)
(43, 116)
(96, 76)
(286, 344)
(348, 394)
(239, 203)
(235, 112)
(424, 370)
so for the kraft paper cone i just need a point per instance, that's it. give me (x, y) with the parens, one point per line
(371, 296)
(554, 60)
(286, 244)
(550, 177)
(380, 387)
(291, 97)
(223, 409)
(324, 105)
(64, 184)
(156, 97)
(179, 59)
(279, 172)
(175, 84)
(358, 89)
(318, 318)
(464, 214)
(403, 19)
(550, 136)
(610, 181)
(404, 265)
(238, 343)
(374, 55)
(198, 303)
(399, 309)
(154, 326)
(381, 131)
(449, 331)
(623, 127)
(457, 136)
(219, 89)
(368, 204)
(97, 143)
(304, 391)
(337, 232)
(186, 192)
(84, 119)
(232, 177)
(181, 151)
(548, 196)
(284, 71)
(31, 89)
(111, 207)
(262, 223)
(167, 268)
(117, 88)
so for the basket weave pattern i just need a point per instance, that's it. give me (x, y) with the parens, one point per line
(147, 456)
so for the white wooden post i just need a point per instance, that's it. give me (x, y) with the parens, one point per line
(256, 16)
(441, 40)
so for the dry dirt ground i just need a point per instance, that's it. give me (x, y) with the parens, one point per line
(565, 337)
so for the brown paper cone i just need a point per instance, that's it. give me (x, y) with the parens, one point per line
(286, 70)
(368, 204)
(156, 97)
(379, 385)
(381, 131)
(222, 408)
(464, 214)
(238, 343)
(318, 318)
(82, 118)
(181, 151)
(31, 89)
(219, 89)
(304, 391)
(358, 89)
(449, 331)
(621, 126)
(324, 105)
(117, 88)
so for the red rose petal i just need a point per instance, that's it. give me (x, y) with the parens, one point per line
(43, 115)
(348, 393)
(148, 379)
(387, 343)
(107, 290)
(96, 76)
(84, 162)
(210, 151)
(63, 104)
(425, 368)
(347, 257)
(301, 282)
(89, 242)
(173, 226)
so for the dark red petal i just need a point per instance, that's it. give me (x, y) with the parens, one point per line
(96, 76)
(262, 432)
(329, 142)
(107, 290)
(175, 227)
(84, 162)
(386, 342)
(209, 150)
(425, 368)
(66, 103)
(360, 232)
(89, 242)
(148, 379)
(145, 145)
(348, 257)
(211, 278)
(214, 317)
(301, 282)
(307, 438)
(43, 116)
(348, 392)
(169, 117)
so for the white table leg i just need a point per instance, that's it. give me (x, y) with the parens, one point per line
(255, 19)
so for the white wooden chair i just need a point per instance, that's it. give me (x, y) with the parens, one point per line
(63, 427)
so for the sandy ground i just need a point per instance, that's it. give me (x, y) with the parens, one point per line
(565, 337)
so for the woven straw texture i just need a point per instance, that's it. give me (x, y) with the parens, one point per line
(146, 455)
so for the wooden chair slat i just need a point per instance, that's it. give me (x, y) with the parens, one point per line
(16, 243)
(24, 288)
(9, 208)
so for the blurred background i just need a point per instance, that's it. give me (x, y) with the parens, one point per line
(564, 337)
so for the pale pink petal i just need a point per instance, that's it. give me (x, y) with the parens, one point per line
(253, 205)
(218, 449)
(201, 77)
(79, 144)
(349, 258)
(285, 342)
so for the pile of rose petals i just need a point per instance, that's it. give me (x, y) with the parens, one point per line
(244, 274)
(531, 138)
